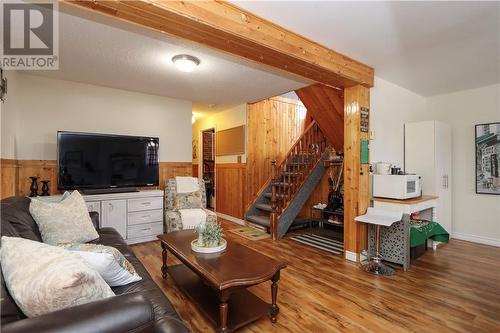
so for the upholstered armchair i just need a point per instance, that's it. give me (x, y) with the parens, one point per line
(190, 205)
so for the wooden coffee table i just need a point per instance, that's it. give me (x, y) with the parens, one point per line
(217, 283)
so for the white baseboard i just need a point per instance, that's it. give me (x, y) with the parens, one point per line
(476, 239)
(231, 218)
(351, 256)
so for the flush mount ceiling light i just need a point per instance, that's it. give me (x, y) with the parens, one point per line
(185, 62)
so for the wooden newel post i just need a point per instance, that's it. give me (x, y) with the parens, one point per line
(274, 203)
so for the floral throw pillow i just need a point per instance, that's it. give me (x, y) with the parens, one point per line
(188, 200)
(108, 261)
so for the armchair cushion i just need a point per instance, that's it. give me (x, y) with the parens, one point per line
(188, 200)
(173, 219)
(171, 193)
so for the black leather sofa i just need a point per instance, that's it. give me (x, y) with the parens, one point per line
(137, 307)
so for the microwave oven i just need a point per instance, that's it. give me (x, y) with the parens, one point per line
(396, 186)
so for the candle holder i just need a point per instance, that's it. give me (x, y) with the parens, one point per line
(34, 186)
(45, 188)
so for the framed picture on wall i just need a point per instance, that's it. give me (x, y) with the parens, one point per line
(487, 140)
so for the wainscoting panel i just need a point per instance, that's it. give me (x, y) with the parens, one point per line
(195, 170)
(230, 189)
(9, 175)
(44, 170)
(15, 174)
(173, 169)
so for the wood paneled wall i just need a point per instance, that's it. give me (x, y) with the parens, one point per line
(15, 174)
(230, 189)
(274, 125)
(320, 194)
(326, 106)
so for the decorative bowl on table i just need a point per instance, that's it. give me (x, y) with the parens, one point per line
(208, 249)
(210, 238)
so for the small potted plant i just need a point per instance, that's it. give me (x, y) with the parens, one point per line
(212, 234)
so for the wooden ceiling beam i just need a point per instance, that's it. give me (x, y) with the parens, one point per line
(228, 28)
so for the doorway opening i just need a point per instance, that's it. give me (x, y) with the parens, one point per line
(208, 164)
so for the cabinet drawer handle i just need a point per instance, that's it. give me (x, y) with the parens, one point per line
(146, 203)
(145, 216)
(146, 229)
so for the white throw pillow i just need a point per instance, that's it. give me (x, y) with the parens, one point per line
(108, 261)
(42, 278)
(66, 221)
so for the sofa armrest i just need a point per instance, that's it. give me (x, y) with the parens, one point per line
(94, 217)
(125, 313)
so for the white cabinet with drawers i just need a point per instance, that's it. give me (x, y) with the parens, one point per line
(137, 216)
(145, 204)
(113, 213)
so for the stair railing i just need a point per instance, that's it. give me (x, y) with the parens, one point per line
(288, 177)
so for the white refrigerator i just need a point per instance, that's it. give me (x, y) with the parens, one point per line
(427, 152)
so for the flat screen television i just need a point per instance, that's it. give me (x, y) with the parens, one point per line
(105, 162)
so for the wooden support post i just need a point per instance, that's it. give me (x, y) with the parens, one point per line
(356, 175)
(274, 206)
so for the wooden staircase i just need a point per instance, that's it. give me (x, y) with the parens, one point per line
(291, 183)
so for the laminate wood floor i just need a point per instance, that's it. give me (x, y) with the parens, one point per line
(456, 289)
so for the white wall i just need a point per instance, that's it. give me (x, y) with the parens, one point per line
(8, 119)
(390, 107)
(37, 107)
(475, 216)
(236, 116)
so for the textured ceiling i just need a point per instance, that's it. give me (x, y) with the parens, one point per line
(428, 47)
(127, 57)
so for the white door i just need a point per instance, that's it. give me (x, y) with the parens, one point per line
(443, 162)
(114, 215)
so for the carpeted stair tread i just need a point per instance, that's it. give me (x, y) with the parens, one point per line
(260, 220)
(264, 207)
(268, 195)
(283, 184)
(295, 164)
(291, 174)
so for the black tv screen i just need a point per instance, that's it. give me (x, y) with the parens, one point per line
(103, 161)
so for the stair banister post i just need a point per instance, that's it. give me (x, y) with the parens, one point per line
(274, 208)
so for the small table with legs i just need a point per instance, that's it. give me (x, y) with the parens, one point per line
(217, 283)
(378, 217)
